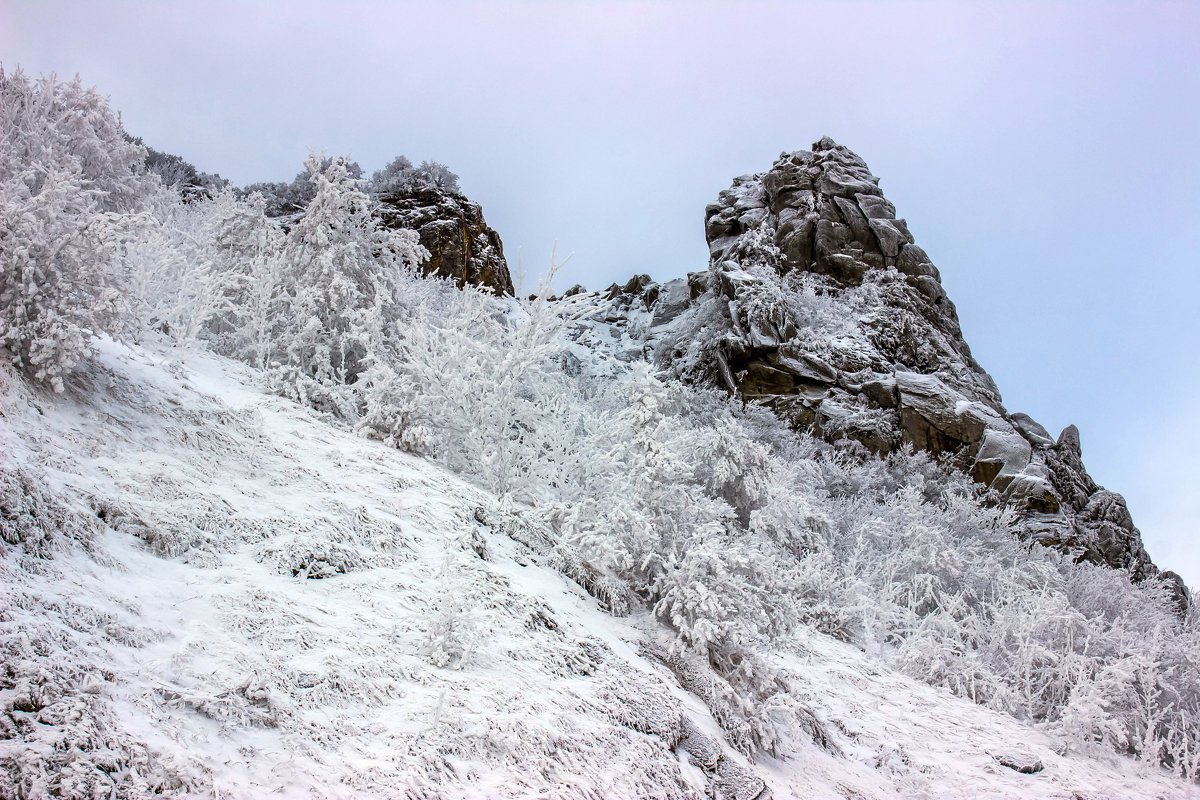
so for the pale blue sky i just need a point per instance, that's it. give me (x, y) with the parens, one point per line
(1046, 155)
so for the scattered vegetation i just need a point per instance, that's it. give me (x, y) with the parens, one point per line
(729, 527)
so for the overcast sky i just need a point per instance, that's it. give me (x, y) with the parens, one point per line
(1046, 156)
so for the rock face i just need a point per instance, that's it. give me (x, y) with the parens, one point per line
(461, 245)
(819, 303)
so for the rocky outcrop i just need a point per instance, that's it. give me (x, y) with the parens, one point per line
(819, 303)
(461, 245)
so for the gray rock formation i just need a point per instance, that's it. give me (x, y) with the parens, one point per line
(819, 303)
(461, 245)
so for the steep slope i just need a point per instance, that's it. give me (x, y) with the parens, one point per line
(209, 591)
(819, 303)
(206, 589)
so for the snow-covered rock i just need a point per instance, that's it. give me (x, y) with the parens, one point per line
(819, 303)
(461, 245)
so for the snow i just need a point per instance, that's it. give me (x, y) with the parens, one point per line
(272, 605)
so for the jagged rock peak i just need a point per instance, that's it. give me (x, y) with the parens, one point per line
(828, 212)
(821, 213)
(461, 245)
(818, 303)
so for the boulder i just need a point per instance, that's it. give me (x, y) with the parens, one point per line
(461, 245)
(928, 404)
(892, 234)
(875, 207)
(804, 366)
(1002, 456)
(1034, 433)
(1107, 530)
(672, 299)
(913, 261)
(853, 216)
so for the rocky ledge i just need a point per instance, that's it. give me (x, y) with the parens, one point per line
(819, 303)
(461, 245)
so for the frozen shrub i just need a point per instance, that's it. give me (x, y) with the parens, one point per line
(400, 177)
(69, 183)
(340, 266)
(35, 521)
(289, 199)
(177, 174)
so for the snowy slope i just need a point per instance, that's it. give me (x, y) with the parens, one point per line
(209, 591)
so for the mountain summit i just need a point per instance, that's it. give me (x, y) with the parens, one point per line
(819, 303)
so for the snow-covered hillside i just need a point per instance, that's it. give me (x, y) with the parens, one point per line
(283, 514)
(210, 591)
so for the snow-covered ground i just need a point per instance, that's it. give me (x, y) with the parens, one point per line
(231, 597)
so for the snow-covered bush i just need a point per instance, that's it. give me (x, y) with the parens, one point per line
(452, 632)
(250, 313)
(286, 199)
(177, 267)
(479, 382)
(401, 176)
(70, 182)
(340, 268)
(940, 585)
(177, 174)
(397, 176)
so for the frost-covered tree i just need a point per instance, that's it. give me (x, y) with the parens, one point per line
(438, 176)
(183, 177)
(478, 380)
(69, 184)
(253, 308)
(286, 199)
(401, 176)
(209, 269)
(397, 176)
(340, 269)
(174, 269)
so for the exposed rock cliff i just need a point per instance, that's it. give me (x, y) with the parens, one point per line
(819, 303)
(461, 245)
